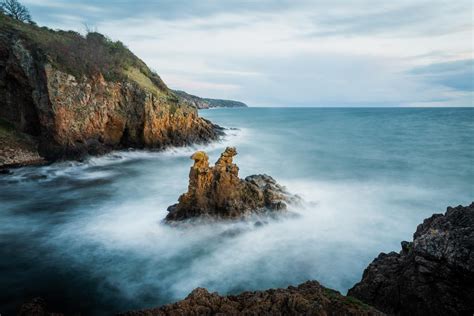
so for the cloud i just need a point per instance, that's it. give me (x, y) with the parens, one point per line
(458, 74)
(284, 52)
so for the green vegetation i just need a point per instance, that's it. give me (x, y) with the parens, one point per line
(81, 55)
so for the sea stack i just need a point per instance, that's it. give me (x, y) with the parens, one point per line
(218, 192)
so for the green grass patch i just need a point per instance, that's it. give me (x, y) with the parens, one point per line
(80, 55)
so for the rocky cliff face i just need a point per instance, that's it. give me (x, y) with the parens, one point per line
(309, 298)
(433, 275)
(71, 112)
(218, 192)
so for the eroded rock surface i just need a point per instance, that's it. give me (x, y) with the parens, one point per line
(309, 298)
(218, 192)
(69, 112)
(433, 275)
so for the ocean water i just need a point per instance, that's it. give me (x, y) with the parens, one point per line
(87, 236)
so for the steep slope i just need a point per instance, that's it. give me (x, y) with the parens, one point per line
(206, 103)
(80, 95)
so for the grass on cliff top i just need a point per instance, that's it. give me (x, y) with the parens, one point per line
(80, 55)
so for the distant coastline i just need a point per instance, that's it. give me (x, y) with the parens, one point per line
(207, 103)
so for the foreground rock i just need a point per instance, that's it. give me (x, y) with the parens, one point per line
(76, 95)
(433, 275)
(218, 192)
(309, 298)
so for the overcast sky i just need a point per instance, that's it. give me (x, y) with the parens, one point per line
(291, 52)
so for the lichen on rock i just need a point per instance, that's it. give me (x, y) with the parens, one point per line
(218, 192)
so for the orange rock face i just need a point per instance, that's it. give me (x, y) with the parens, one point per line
(218, 192)
(92, 114)
(73, 116)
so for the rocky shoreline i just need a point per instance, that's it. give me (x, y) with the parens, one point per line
(52, 107)
(432, 275)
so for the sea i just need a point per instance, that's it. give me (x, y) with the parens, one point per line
(88, 236)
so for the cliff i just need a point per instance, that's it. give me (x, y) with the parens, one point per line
(218, 192)
(432, 275)
(206, 103)
(75, 95)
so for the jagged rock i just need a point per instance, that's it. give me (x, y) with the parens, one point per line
(309, 298)
(433, 275)
(218, 192)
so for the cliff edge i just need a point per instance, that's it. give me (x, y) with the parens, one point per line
(75, 95)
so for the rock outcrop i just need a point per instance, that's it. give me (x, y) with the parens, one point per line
(78, 95)
(309, 298)
(433, 275)
(218, 192)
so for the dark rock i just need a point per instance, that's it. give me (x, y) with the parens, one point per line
(36, 307)
(433, 275)
(309, 298)
(218, 192)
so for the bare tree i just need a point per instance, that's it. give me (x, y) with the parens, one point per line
(16, 10)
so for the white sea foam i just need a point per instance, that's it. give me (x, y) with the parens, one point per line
(362, 194)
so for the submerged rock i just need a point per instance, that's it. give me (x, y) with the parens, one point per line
(309, 298)
(218, 192)
(433, 275)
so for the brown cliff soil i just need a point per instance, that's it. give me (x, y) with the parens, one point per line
(218, 192)
(78, 95)
(433, 275)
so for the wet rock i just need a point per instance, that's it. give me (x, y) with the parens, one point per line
(309, 298)
(433, 275)
(218, 192)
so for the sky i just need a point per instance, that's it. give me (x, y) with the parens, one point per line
(291, 52)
